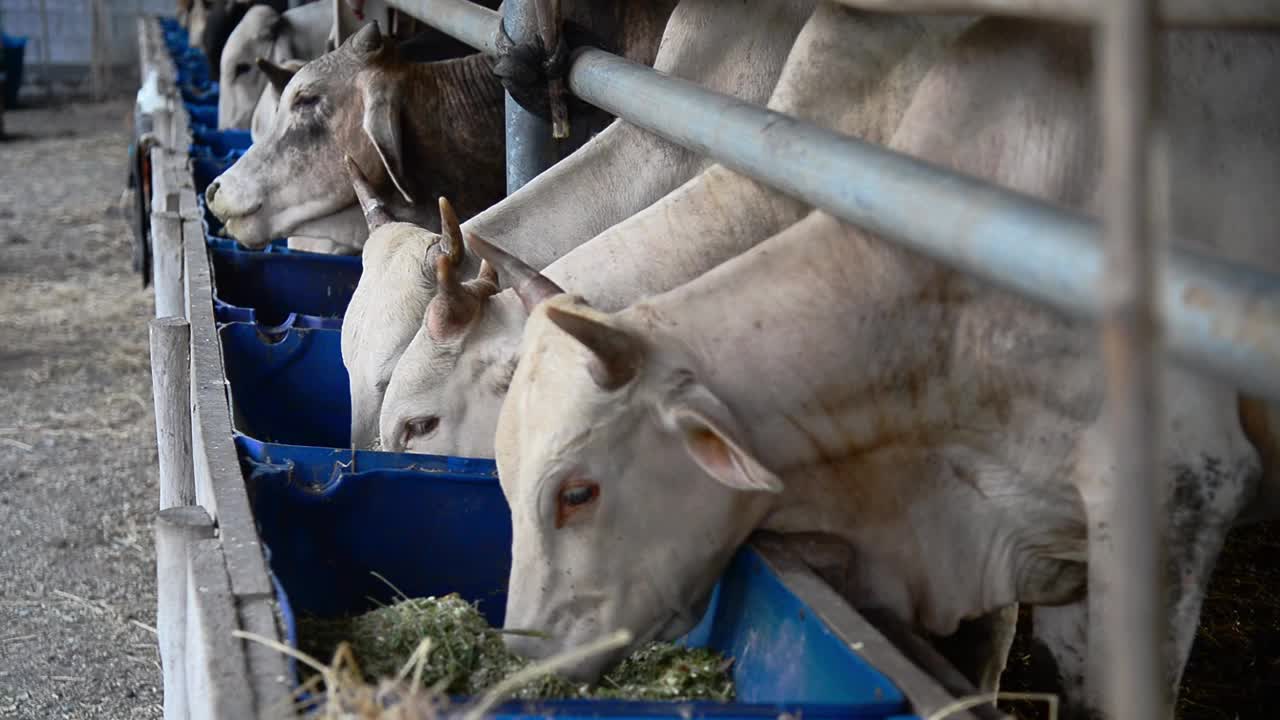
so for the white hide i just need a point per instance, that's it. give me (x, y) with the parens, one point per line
(298, 33)
(854, 77)
(828, 384)
(719, 44)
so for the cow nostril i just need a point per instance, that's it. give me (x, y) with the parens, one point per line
(210, 192)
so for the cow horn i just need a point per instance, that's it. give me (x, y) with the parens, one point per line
(367, 39)
(452, 232)
(375, 213)
(455, 303)
(532, 286)
(616, 355)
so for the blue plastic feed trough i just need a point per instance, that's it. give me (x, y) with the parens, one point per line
(221, 142)
(12, 51)
(290, 388)
(279, 290)
(206, 166)
(433, 531)
(203, 114)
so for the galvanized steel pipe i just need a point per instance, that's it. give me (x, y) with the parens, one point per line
(530, 146)
(1180, 13)
(1127, 575)
(465, 21)
(1219, 316)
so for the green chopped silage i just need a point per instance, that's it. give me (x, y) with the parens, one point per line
(469, 657)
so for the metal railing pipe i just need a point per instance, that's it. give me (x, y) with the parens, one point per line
(1220, 317)
(464, 21)
(1126, 558)
(1180, 13)
(530, 146)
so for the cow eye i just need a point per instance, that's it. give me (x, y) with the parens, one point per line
(420, 427)
(574, 496)
(242, 68)
(305, 101)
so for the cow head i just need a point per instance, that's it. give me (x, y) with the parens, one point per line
(446, 391)
(343, 103)
(257, 35)
(388, 305)
(630, 483)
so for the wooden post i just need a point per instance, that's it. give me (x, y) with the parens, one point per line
(217, 671)
(98, 50)
(46, 52)
(176, 529)
(171, 390)
(166, 236)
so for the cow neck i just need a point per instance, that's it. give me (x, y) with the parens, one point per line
(852, 333)
(838, 355)
(454, 132)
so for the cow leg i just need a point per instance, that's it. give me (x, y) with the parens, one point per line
(1210, 473)
(979, 648)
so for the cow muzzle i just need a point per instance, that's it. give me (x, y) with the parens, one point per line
(586, 670)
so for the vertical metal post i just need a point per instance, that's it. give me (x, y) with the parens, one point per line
(530, 147)
(46, 51)
(1127, 562)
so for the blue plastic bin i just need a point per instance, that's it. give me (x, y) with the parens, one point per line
(436, 530)
(206, 165)
(203, 114)
(220, 142)
(14, 51)
(289, 388)
(283, 289)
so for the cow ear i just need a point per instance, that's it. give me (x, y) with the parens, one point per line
(278, 75)
(711, 436)
(457, 304)
(278, 26)
(382, 126)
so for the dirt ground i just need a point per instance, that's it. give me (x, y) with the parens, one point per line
(77, 442)
(78, 463)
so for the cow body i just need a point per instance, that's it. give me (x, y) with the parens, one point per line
(854, 77)
(720, 44)
(946, 438)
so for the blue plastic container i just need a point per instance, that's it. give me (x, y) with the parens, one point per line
(437, 529)
(13, 51)
(206, 165)
(203, 114)
(220, 142)
(275, 289)
(289, 388)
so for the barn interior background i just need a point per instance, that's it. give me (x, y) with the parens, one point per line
(89, 49)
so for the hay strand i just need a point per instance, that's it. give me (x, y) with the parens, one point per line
(973, 701)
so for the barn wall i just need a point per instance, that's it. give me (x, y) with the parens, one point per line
(70, 50)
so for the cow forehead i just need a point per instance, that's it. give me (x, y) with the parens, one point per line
(555, 415)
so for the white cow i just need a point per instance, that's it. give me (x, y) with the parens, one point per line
(726, 45)
(855, 77)
(299, 33)
(947, 435)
